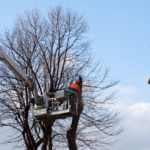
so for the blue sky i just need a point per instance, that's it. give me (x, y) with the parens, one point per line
(121, 33)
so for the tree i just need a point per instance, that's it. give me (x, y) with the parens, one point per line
(54, 51)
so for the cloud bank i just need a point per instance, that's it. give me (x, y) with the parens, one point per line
(136, 121)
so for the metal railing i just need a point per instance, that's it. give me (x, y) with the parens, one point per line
(54, 104)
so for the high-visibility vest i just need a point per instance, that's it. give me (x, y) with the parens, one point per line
(76, 87)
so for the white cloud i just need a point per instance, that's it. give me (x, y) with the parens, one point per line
(136, 121)
(140, 109)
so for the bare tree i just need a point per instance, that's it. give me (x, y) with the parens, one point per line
(54, 51)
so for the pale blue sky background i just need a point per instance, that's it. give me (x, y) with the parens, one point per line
(121, 33)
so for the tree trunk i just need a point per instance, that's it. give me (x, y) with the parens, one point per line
(50, 145)
(71, 133)
(47, 141)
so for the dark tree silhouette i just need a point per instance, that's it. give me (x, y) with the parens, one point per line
(54, 51)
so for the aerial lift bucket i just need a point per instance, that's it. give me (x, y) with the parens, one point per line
(56, 107)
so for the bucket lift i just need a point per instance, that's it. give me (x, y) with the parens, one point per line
(56, 107)
(53, 106)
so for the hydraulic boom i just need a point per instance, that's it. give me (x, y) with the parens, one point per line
(13, 66)
(44, 106)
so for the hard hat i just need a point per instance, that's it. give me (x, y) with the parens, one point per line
(78, 81)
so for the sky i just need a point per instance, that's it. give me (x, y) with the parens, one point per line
(120, 30)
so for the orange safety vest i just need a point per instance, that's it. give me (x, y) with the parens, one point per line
(76, 87)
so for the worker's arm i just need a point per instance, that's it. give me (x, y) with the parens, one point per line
(79, 96)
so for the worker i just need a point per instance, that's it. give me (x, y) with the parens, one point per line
(75, 87)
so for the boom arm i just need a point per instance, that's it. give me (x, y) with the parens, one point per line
(42, 104)
(26, 81)
(13, 66)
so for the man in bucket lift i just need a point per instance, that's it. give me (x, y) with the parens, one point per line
(75, 87)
